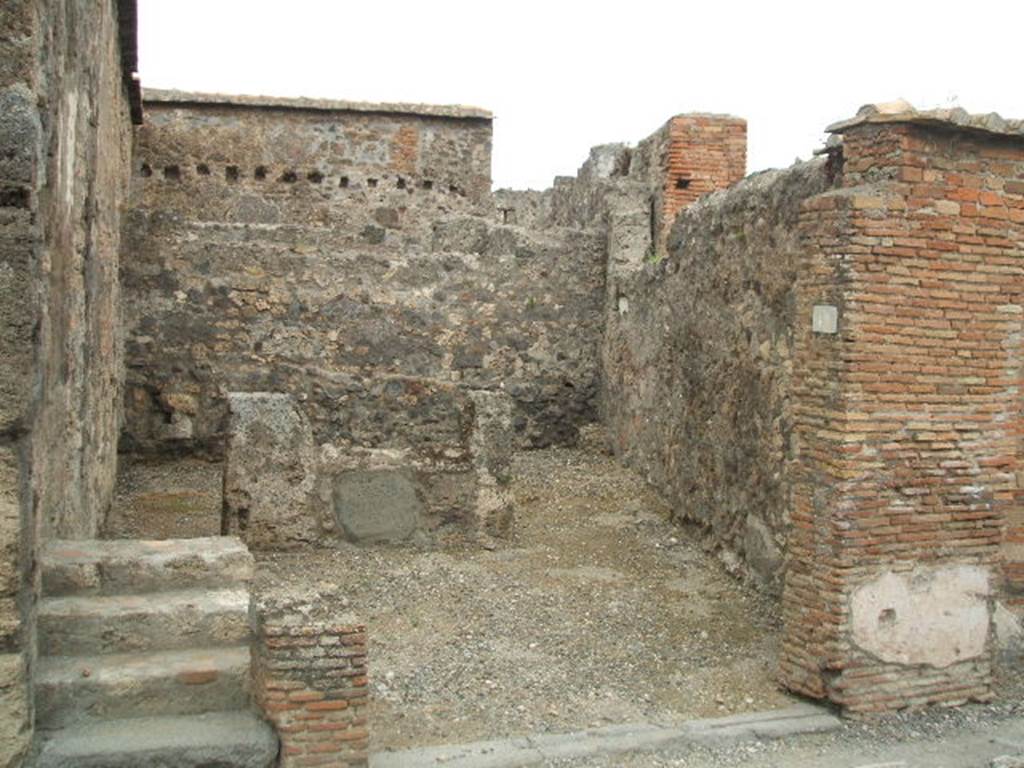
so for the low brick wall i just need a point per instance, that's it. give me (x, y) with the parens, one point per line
(310, 681)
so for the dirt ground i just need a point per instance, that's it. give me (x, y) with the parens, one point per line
(595, 611)
(598, 611)
(166, 499)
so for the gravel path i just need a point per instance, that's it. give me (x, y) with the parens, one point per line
(597, 611)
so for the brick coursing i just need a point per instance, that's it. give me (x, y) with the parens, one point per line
(704, 153)
(311, 682)
(909, 420)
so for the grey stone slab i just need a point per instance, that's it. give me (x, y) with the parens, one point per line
(610, 740)
(223, 739)
(761, 725)
(628, 737)
(377, 505)
(500, 753)
(72, 690)
(77, 626)
(96, 567)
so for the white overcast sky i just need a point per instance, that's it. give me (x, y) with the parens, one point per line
(561, 77)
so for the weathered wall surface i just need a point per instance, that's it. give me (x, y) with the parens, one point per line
(300, 161)
(908, 416)
(380, 308)
(824, 370)
(64, 148)
(698, 363)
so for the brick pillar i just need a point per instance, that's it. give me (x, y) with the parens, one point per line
(908, 411)
(701, 154)
(309, 673)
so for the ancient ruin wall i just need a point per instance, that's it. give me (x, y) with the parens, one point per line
(690, 156)
(339, 256)
(64, 146)
(908, 415)
(698, 363)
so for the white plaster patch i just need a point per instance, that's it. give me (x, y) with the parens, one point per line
(935, 616)
(825, 319)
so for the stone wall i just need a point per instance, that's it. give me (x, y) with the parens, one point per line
(64, 157)
(310, 680)
(382, 309)
(823, 370)
(698, 363)
(908, 412)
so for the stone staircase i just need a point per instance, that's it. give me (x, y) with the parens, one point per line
(144, 656)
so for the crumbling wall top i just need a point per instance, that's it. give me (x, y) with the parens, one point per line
(901, 111)
(152, 96)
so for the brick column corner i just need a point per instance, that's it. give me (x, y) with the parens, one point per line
(908, 373)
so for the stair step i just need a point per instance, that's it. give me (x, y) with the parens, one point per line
(93, 625)
(113, 567)
(222, 739)
(75, 689)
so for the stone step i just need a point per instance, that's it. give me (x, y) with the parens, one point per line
(100, 624)
(222, 739)
(99, 567)
(78, 689)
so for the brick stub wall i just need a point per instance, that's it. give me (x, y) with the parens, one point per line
(310, 680)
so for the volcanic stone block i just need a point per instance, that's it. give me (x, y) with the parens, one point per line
(270, 472)
(377, 505)
(491, 444)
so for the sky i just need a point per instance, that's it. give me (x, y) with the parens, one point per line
(561, 77)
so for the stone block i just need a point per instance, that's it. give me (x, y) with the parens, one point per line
(1009, 632)
(762, 554)
(270, 472)
(20, 134)
(491, 445)
(376, 505)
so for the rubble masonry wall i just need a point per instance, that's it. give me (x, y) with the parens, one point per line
(65, 141)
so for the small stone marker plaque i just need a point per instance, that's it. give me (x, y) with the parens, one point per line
(825, 319)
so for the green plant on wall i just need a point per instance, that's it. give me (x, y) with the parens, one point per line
(652, 256)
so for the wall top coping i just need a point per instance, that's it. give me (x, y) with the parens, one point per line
(901, 111)
(155, 97)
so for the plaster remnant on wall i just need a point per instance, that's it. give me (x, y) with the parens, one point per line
(934, 616)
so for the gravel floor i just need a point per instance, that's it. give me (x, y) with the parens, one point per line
(597, 611)
(166, 498)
